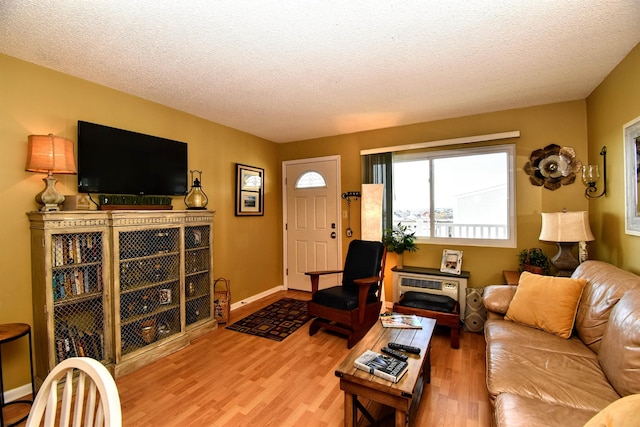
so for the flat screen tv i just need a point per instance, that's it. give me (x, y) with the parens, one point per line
(116, 161)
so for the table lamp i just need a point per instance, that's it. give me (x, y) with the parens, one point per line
(50, 154)
(566, 229)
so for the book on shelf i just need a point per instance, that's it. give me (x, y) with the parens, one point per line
(74, 342)
(404, 321)
(381, 365)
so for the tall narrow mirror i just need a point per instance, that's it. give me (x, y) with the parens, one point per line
(632, 176)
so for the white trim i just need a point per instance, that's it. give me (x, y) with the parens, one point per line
(443, 142)
(17, 393)
(255, 298)
(336, 159)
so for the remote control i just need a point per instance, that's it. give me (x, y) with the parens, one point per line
(404, 347)
(395, 354)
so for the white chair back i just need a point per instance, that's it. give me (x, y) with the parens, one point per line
(93, 393)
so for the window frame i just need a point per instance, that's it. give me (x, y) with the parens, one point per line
(510, 151)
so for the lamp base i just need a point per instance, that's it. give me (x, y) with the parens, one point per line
(49, 198)
(564, 260)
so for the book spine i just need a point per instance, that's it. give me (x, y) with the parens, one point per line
(376, 372)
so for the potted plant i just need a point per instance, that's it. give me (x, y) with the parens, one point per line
(400, 239)
(534, 261)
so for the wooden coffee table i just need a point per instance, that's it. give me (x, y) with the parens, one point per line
(404, 396)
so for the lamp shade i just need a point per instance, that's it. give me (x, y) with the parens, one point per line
(371, 213)
(50, 153)
(566, 227)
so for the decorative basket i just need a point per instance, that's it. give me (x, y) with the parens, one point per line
(222, 300)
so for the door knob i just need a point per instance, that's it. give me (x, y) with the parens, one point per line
(333, 235)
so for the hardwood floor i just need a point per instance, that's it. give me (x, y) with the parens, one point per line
(229, 378)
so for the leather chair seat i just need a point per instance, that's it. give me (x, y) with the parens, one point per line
(341, 297)
(424, 301)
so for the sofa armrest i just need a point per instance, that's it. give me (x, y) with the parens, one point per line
(496, 298)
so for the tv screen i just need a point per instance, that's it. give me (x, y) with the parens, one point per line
(116, 161)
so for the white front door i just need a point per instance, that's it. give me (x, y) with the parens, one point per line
(311, 221)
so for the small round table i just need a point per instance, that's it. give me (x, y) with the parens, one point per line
(10, 332)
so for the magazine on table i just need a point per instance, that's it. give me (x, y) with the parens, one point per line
(381, 365)
(395, 320)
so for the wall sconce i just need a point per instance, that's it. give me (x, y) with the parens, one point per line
(591, 175)
(566, 229)
(196, 198)
(348, 195)
(50, 154)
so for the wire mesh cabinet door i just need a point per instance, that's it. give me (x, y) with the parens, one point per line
(71, 292)
(198, 272)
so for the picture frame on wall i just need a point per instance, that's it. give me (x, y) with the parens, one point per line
(249, 190)
(451, 262)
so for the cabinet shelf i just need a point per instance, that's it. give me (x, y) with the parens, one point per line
(198, 248)
(196, 297)
(77, 299)
(156, 311)
(78, 265)
(150, 256)
(147, 285)
(196, 273)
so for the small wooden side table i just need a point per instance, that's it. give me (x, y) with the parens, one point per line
(10, 332)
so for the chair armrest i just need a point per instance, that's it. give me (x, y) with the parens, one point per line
(315, 278)
(496, 298)
(367, 280)
(321, 273)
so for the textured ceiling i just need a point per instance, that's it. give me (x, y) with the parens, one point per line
(289, 70)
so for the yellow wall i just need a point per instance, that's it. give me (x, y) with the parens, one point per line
(563, 124)
(614, 103)
(35, 100)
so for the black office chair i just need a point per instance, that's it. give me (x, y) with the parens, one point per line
(352, 308)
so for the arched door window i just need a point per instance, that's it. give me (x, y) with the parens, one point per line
(310, 179)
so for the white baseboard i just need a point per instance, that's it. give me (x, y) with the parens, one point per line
(256, 297)
(17, 393)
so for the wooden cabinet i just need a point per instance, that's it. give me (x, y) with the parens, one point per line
(124, 287)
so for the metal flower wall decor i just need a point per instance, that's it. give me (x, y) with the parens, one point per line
(553, 166)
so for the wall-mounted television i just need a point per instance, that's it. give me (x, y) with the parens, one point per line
(116, 161)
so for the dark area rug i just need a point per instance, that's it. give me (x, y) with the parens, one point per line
(276, 321)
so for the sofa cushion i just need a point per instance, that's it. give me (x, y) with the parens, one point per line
(518, 411)
(532, 363)
(425, 301)
(619, 353)
(546, 302)
(605, 286)
(623, 412)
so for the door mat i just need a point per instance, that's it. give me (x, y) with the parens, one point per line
(276, 321)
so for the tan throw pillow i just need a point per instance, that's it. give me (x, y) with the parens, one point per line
(546, 302)
(623, 412)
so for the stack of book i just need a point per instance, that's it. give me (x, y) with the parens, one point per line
(381, 365)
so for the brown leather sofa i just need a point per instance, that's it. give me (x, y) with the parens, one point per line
(535, 378)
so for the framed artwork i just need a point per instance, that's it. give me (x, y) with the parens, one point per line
(249, 190)
(451, 261)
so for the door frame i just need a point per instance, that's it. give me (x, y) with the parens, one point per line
(285, 249)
